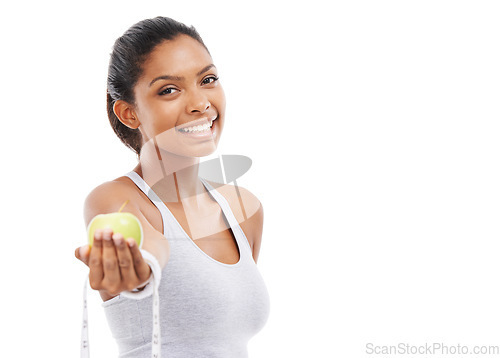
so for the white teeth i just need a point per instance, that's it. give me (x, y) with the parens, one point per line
(199, 128)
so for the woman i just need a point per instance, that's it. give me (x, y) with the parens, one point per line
(166, 103)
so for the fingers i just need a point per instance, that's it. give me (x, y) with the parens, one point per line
(142, 269)
(96, 272)
(82, 253)
(111, 270)
(115, 264)
(125, 262)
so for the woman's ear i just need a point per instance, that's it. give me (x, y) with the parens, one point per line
(126, 114)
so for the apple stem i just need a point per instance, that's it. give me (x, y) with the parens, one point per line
(125, 203)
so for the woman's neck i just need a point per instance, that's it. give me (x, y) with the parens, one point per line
(172, 177)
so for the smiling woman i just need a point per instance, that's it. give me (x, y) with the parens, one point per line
(178, 92)
(166, 103)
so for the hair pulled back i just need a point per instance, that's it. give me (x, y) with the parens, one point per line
(130, 51)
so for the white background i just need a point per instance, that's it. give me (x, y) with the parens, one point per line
(373, 127)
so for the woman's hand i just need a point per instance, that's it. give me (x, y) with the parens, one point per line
(115, 264)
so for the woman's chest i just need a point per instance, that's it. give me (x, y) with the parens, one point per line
(207, 228)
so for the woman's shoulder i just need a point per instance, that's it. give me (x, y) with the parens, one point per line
(118, 186)
(108, 197)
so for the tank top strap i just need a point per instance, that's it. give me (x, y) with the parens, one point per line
(222, 202)
(167, 217)
(228, 213)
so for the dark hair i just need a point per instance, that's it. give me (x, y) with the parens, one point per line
(130, 51)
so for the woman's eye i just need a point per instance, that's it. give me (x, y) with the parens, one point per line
(209, 80)
(168, 90)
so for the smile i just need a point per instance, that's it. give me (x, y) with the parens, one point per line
(196, 129)
(199, 126)
(201, 129)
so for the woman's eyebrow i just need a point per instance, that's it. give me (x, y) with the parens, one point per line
(166, 77)
(178, 78)
(205, 69)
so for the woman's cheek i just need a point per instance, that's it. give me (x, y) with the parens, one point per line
(166, 138)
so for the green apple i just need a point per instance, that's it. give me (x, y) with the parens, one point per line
(124, 223)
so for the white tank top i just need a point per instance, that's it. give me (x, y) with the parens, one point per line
(207, 308)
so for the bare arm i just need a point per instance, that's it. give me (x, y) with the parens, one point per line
(115, 263)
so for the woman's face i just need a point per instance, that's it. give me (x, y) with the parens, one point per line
(178, 92)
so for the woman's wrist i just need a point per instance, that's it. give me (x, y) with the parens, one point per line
(105, 296)
(144, 285)
(146, 289)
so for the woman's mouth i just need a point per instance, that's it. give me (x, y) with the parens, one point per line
(199, 131)
(196, 129)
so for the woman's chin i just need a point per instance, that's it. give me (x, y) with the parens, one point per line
(188, 152)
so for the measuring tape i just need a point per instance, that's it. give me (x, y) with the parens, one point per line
(150, 289)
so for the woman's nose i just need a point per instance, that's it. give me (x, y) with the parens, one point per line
(197, 102)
